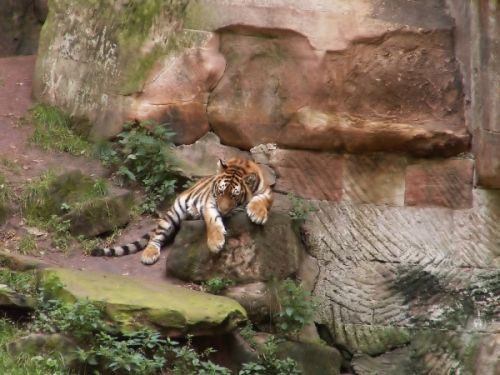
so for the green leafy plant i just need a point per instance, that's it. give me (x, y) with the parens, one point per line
(296, 307)
(27, 244)
(53, 131)
(217, 285)
(142, 154)
(269, 363)
(300, 208)
(21, 282)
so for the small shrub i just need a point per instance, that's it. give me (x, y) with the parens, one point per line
(217, 285)
(269, 363)
(21, 282)
(53, 131)
(142, 154)
(4, 190)
(296, 307)
(188, 361)
(27, 244)
(300, 208)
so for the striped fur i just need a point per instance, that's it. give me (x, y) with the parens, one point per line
(238, 183)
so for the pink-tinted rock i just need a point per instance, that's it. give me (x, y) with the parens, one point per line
(177, 90)
(446, 183)
(313, 175)
(376, 95)
(487, 152)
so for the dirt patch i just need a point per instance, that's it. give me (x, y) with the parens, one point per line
(22, 162)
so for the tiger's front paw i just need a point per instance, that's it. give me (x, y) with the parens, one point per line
(216, 240)
(150, 255)
(257, 212)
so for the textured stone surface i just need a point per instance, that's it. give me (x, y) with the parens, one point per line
(314, 175)
(20, 24)
(386, 270)
(446, 183)
(477, 45)
(92, 62)
(134, 302)
(177, 92)
(255, 299)
(377, 179)
(303, 99)
(251, 253)
(38, 343)
(101, 215)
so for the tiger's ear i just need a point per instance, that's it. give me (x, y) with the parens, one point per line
(251, 180)
(221, 165)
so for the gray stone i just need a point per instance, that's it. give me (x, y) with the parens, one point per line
(255, 298)
(40, 343)
(251, 253)
(9, 298)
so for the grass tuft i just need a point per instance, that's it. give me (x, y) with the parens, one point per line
(53, 131)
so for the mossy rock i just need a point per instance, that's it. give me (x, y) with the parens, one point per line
(101, 215)
(39, 343)
(11, 299)
(251, 253)
(18, 262)
(134, 303)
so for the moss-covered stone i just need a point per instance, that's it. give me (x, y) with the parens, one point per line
(252, 252)
(100, 215)
(105, 52)
(132, 303)
(18, 262)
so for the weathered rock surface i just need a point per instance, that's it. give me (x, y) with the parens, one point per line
(135, 302)
(101, 215)
(380, 79)
(177, 90)
(385, 271)
(20, 24)
(254, 297)
(477, 44)
(251, 253)
(9, 298)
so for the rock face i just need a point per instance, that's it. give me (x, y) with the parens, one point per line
(477, 45)
(391, 276)
(252, 253)
(382, 78)
(20, 24)
(133, 302)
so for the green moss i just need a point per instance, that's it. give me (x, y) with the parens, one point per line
(132, 302)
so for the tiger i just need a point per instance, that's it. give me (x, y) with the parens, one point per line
(238, 183)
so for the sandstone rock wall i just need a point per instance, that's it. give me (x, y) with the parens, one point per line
(356, 76)
(478, 51)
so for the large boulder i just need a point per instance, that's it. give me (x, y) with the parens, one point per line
(251, 253)
(133, 302)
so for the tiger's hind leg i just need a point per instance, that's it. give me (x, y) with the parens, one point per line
(164, 232)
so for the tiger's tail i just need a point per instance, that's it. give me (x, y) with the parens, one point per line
(118, 251)
(164, 233)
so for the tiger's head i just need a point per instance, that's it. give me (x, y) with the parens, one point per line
(236, 181)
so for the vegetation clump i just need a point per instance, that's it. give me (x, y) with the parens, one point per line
(300, 208)
(217, 285)
(142, 154)
(53, 131)
(295, 308)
